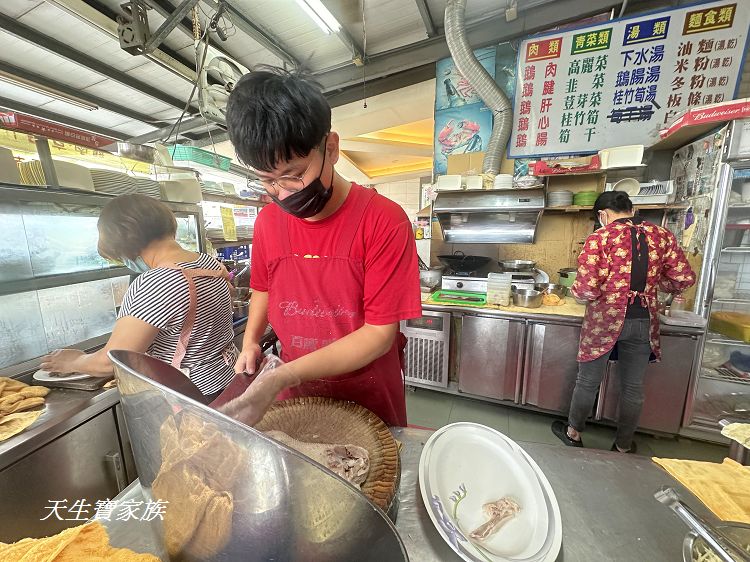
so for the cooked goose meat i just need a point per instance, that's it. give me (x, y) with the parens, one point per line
(350, 462)
(499, 513)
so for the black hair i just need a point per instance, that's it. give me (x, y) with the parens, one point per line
(617, 201)
(274, 115)
(129, 223)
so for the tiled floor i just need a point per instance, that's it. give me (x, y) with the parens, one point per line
(435, 409)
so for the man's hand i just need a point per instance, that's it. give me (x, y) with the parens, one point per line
(247, 359)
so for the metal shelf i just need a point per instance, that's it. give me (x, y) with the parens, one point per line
(731, 301)
(217, 244)
(232, 200)
(578, 208)
(61, 280)
(724, 376)
(736, 250)
(721, 339)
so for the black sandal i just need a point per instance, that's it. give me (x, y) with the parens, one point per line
(560, 429)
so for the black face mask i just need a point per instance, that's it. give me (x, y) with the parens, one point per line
(308, 201)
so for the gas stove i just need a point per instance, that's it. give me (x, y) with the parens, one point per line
(476, 284)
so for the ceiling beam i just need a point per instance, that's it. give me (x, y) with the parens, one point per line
(480, 34)
(168, 25)
(13, 105)
(94, 14)
(258, 34)
(82, 94)
(54, 46)
(424, 11)
(186, 126)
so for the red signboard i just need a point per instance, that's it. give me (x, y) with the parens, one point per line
(43, 128)
(544, 49)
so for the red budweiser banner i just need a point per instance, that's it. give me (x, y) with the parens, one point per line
(43, 128)
(717, 112)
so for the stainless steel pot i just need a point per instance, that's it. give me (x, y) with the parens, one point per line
(551, 289)
(528, 298)
(240, 309)
(518, 265)
(431, 278)
(737, 451)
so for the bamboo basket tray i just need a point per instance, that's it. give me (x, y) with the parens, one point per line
(326, 420)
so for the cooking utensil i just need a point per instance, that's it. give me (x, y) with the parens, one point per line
(567, 276)
(737, 451)
(528, 298)
(551, 289)
(431, 278)
(461, 263)
(422, 265)
(724, 547)
(240, 309)
(693, 546)
(518, 265)
(460, 297)
(158, 371)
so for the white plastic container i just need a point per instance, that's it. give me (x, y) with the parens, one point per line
(499, 288)
(448, 183)
(621, 156)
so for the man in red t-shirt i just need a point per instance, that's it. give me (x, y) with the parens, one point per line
(334, 265)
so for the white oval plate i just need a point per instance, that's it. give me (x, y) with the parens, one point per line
(475, 464)
(45, 376)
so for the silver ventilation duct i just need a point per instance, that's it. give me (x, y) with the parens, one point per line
(491, 94)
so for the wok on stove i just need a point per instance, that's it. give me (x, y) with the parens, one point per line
(461, 263)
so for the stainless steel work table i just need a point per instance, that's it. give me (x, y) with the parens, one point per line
(606, 500)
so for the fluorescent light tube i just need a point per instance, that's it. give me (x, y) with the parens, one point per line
(39, 89)
(320, 15)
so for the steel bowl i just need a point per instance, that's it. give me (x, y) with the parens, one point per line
(431, 278)
(240, 309)
(518, 265)
(551, 289)
(528, 298)
(692, 545)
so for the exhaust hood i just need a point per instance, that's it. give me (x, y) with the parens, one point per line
(506, 216)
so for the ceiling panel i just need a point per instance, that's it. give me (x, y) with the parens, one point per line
(296, 31)
(390, 24)
(33, 58)
(121, 95)
(99, 117)
(17, 8)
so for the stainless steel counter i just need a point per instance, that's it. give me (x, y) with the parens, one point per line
(606, 501)
(65, 409)
(542, 317)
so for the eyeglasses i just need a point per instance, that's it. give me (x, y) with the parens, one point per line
(291, 184)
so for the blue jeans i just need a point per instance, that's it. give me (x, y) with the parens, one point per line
(633, 350)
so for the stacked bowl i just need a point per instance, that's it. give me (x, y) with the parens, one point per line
(113, 183)
(585, 198)
(503, 181)
(559, 198)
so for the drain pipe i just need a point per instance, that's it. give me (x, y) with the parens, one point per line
(491, 94)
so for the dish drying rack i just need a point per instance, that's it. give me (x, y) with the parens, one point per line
(652, 193)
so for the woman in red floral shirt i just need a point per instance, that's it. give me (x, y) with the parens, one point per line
(620, 269)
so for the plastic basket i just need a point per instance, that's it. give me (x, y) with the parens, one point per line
(182, 152)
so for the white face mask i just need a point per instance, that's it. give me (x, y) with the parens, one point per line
(603, 218)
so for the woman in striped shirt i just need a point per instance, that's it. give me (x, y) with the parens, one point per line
(178, 310)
